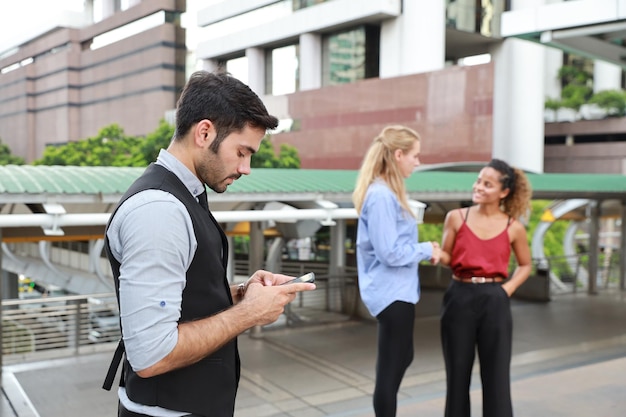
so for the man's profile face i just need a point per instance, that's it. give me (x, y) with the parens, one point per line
(232, 160)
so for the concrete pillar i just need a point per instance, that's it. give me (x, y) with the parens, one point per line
(9, 285)
(1, 298)
(622, 255)
(519, 97)
(594, 247)
(337, 246)
(88, 11)
(256, 257)
(337, 263)
(416, 41)
(310, 61)
(109, 7)
(606, 76)
(256, 70)
(518, 103)
(551, 81)
(256, 254)
(210, 65)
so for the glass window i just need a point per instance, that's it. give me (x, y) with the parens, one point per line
(351, 55)
(476, 16)
(301, 4)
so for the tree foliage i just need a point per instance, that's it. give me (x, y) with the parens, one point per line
(6, 158)
(111, 147)
(267, 158)
(159, 139)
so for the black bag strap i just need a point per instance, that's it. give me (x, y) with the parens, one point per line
(115, 363)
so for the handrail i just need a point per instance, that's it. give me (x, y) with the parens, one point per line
(43, 327)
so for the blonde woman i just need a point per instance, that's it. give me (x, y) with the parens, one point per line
(388, 254)
(476, 313)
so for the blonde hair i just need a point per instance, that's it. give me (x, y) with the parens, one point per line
(379, 162)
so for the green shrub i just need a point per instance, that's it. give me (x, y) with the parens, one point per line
(613, 101)
(552, 104)
(575, 95)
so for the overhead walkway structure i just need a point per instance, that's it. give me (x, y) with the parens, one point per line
(44, 204)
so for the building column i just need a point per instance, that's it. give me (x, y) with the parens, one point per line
(337, 263)
(256, 70)
(606, 76)
(622, 256)
(109, 7)
(310, 61)
(210, 65)
(552, 83)
(594, 245)
(518, 103)
(414, 42)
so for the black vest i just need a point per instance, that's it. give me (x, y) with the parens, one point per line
(208, 387)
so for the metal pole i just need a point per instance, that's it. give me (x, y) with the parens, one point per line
(622, 254)
(594, 247)
(1, 322)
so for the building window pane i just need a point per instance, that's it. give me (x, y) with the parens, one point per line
(301, 4)
(475, 16)
(351, 55)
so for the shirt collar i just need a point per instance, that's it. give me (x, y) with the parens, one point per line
(170, 162)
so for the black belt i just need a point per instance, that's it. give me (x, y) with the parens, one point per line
(478, 280)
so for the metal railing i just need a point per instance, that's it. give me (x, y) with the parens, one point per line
(39, 328)
(50, 327)
(571, 273)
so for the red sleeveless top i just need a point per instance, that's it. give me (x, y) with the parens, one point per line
(475, 257)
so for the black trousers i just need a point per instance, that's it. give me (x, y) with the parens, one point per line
(477, 317)
(395, 354)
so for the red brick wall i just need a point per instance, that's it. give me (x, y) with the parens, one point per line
(451, 109)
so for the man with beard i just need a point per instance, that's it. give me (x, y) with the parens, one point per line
(180, 317)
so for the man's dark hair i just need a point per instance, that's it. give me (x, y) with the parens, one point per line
(224, 100)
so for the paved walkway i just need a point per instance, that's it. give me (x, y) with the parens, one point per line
(569, 359)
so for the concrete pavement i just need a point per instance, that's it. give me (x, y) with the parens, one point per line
(569, 359)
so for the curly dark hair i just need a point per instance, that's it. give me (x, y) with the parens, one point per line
(517, 202)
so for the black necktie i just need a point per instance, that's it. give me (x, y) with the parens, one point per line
(202, 199)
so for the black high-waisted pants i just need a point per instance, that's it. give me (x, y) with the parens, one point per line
(395, 354)
(477, 317)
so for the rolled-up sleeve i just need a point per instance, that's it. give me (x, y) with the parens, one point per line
(152, 237)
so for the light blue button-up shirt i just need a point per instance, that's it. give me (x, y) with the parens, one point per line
(388, 251)
(152, 236)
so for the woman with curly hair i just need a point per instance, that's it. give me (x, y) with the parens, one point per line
(476, 313)
(388, 254)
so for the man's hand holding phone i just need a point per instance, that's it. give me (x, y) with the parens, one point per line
(265, 295)
(309, 277)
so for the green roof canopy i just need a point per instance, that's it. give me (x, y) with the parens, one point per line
(41, 184)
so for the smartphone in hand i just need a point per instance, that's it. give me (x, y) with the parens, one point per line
(309, 277)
